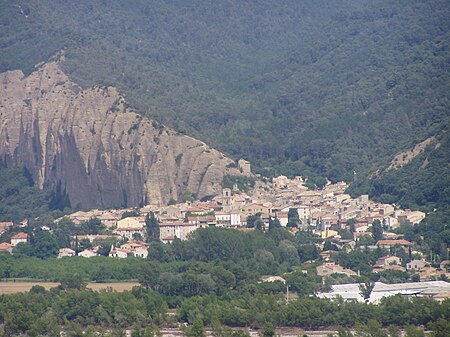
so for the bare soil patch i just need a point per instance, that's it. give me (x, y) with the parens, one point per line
(17, 287)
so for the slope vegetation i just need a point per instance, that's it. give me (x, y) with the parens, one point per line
(317, 88)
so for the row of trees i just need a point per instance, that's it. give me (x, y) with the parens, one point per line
(41, 312)
(312, 313)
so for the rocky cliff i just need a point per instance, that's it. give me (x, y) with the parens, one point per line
(88, 145)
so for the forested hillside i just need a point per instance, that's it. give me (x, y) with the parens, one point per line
(318, 88)
(19, 200)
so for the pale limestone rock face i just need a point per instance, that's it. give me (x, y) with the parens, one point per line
(90, 144)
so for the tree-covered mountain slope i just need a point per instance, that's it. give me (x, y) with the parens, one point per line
(19, 200)
(424, 182)
(318, 88)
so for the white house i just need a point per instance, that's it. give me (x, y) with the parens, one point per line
(387, 261)
(87, 253)
(140, 252)
(63, 252)
(415, 265)
(136, 248)
(180, 230)
(121, 253)
(283, 218)
(131, 226)
(280, 182)
(130, 232)
(6, 247)
(228, 219)
(131, 222)
(18, 238)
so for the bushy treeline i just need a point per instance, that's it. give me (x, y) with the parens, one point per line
(41, 312)
(99, 269)
(312, 313)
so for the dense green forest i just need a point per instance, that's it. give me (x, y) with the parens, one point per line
(20, 200)
(424, 183)
(316, 88)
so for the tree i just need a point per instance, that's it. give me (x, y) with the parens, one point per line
(45, 245)
(138, 237)
(19, 322)
(274, 223)
(37, 289)
(73, 329)
(224, 331)
(366, 289)
(440, 328)
(197, 329)
(412, 331)
(149, 274)
(268, 330)
(46, 325)
(152, 227)
(303, 284)
(133, 212)
(259, 225)
(74, 281)
(351, 224)
(293, 217)
(84, 244)
(393, 331)
(371, 329)
(23, 249)
(328, 245)
(308, 252)
(93, 226)
(188, 195)
(377, 230)
(161, 252)
(344, 332)
(288, 252)
(251, 219)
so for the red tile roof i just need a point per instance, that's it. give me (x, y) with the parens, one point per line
(5, 246)
(137, 229)
(20, 236)
(393, 243)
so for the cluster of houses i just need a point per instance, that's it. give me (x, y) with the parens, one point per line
(132, 248)
(324, 212)
(15, 239)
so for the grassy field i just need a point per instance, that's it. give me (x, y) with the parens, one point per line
(15, 287)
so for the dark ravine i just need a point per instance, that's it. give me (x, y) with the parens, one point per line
(90, 145)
